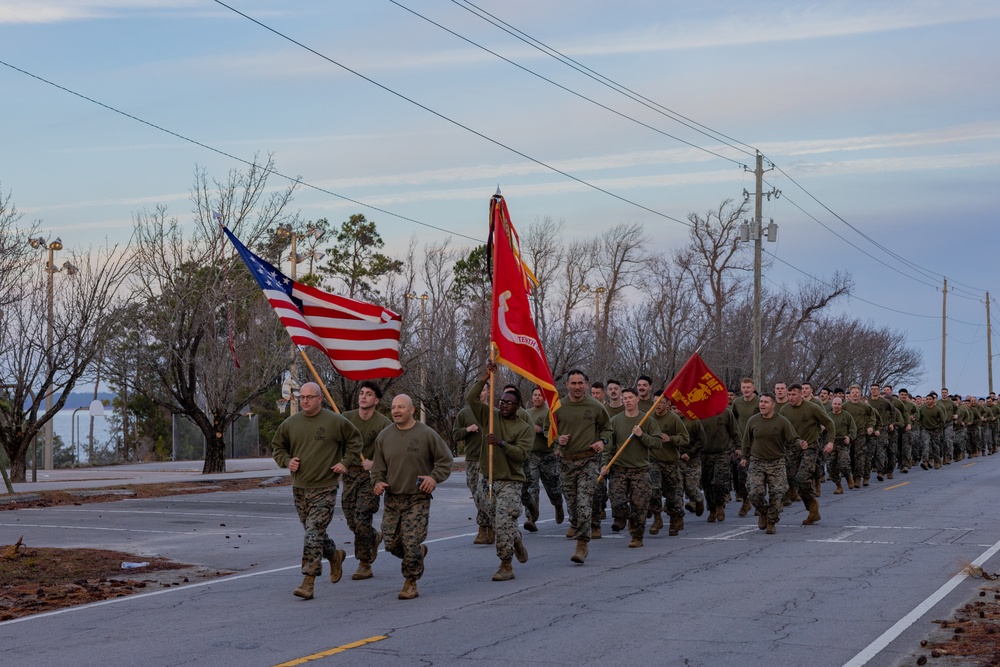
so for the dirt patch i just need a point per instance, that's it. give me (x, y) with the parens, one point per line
(43, 579)
(111, 493)
(971, 636)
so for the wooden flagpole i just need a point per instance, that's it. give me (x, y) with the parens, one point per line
(649, 412)
(312, 369)
(629, 438)
(492, 389)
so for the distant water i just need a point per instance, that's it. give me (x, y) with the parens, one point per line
(62, 425)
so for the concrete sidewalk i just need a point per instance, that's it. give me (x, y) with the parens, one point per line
(143, 473)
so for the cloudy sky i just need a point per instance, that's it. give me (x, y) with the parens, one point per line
(882, 118)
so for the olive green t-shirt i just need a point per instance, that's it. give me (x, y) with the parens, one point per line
(767, 439)
(319, 442)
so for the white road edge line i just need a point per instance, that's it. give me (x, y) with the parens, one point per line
(902, 624)
(172, 589)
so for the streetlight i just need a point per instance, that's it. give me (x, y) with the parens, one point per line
(96, 409)
(423, 350)
(598, 291)
(50, 268)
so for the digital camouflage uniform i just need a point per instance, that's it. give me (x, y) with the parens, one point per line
(691, 469)
(721, 440)
(664, 473)
(808, 420)
(932, 424)
(504, 506)
(764, 444)
(541, 465)
(743, 410)
(585, 421)
(865, 418)
(319, 442)
(473, 447)
(401, 457)
(839, 460)
(629, 488)
(360, 502)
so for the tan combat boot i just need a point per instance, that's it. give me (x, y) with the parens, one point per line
(817, 487)
(482, 536)
(635, 543)
(654, 529)
(505, 573)
(813, 517)
(364, 571)
(839, 489)
(409, 590)
(720, 513)
(581, 552)
(744, 508)
(711, 515)
(337, 565)
(673, 529)
(595, 533)
(491, 536)
(305, 591)
(520, 552)
(771, 528)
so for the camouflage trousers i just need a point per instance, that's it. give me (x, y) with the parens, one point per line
(799, 467)
(667, 488)
(315, 509)
(950, 436)
(975, 440)
(838, 462)
(360, 506)
(504, 507)
(716, 478)
(545, 468)
(477, 487)
(859, 457)
(691, 478)
(960, 441)
(630, 490)
(600, 497)
(740, 476)
(579, 479)
(882, 443)
(404, 528)
(930, 450)
(767, 483)
(906, 449)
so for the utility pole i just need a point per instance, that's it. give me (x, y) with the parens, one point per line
(944, 329)
(755, 230)
(989, 344)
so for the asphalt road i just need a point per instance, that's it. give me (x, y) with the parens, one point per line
(882, 560)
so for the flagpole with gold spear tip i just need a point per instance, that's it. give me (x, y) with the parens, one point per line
(629, 438)
(646, 416)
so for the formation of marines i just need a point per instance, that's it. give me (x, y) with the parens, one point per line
(629, 445)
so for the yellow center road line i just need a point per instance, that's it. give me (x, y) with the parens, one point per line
(966, 465)
(332, 651)
(895, 486)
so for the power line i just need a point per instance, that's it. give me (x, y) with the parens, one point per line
(871, 303)
(562, 87)
(673, 115)
(448, 119)
(865, 236)
(233, 157)
(603, 80)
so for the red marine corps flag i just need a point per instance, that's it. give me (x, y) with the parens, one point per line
(512, 332)
(696, 391)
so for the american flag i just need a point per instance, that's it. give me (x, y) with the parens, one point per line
(361, 339)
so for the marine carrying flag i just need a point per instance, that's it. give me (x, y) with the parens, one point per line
(361, 339)
(512, 331)
(697, 391)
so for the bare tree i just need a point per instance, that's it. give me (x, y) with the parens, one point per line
(84, 307)
(202, 309)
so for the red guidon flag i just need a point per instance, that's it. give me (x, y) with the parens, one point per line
(361, 339)
(696, 390)
(512, 331)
